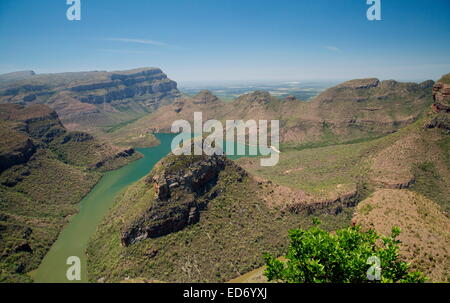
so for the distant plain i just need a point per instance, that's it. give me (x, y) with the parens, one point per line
(229, 90)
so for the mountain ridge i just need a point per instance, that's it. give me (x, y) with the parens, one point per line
(45, 171)
(409, 163)
(355, 109)
(93, 101)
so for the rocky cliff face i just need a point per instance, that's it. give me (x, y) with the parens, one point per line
(44, 172)
(127, 85)
(96, 87)
(182, 108)
(356, 109)
(257, 97)
(182, 185)
(205, 97)
(440, 117)
(23, 130)
(360, 83)
(37, 126)
(16, 148)
(38, 121)
(93, 99)
(441, 96)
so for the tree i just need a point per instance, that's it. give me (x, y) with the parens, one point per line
(348, 256)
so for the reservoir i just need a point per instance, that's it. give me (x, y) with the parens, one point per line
(73, 239)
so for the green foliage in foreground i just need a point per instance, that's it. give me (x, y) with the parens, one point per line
(317, 256)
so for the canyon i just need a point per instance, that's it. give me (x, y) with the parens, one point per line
(92, 101)
(208, 218)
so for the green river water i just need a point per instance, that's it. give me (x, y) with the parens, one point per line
(73, 239)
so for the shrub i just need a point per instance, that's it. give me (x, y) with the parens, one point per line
(348, 256)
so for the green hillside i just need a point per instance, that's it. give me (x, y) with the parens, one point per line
(248, 214)
(44, 172)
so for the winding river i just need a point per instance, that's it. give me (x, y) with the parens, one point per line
(73, 239)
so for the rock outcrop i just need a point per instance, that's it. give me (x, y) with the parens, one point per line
(441, 97)
(299, 201)
(28, 128)
(44, 172)
(23, 130)
(441, 106)
(122, 154)
(257, 97)
(16, 148)
(124, 86)
(93, 99)
(182, 185)
(38, 121)
(353, 110)
(361, 83)
(205, 97)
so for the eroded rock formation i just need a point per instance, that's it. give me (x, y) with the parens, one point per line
(440, 107)
(182, 186)
(93, 98)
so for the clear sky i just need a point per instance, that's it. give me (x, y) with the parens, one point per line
(230, 39)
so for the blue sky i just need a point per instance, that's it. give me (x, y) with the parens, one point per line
(203, 40)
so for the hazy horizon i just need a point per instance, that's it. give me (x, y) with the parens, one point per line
(230, 40)
(237, 81)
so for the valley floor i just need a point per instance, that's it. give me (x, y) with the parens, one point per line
(252, 217)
